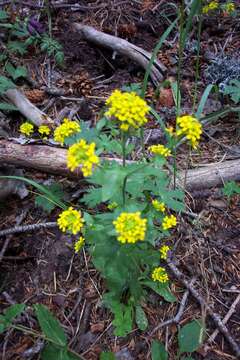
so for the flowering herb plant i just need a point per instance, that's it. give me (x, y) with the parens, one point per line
(128, 239)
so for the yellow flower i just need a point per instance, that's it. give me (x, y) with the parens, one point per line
(44, 130)
(70, 220)
(190, 127)
(170, 130)
(213, 5)
(79, 244)
(159, 206)
(26, 128)
(130, 227)
(128, 108)
(169, 222)
(164, 252)
(160, 150)
(82, 154)
(67, 128)
(229, 7)
(160, 274)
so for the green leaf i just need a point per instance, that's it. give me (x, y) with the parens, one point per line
(107, 356)
(43, 189)
(190, 336)
(154, 55)
(52, 352)
(3, 15)
(16, 73)
(194, 10)
(5, 84)
(233, 90)
(50, 326)
(46, 203)
(203, 100)
(176, 94)
(141, 319)
(17, 47)
(161, 289)
(9, 315)
(8, 107)
(231, 188)
(158, 351)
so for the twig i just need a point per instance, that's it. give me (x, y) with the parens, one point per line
(225, 320)
(215, 317)
(24, 228)
(177, 317)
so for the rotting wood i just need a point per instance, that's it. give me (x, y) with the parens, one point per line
(26, 108)
(123, 47)
(53, 160)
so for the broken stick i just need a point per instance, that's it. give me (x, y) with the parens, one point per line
(27, 109)
(123, 47)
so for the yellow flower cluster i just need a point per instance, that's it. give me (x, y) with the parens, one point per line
(164, 252)
(190, 127)
(44, 130)
(160, 274)
(79, 244)
(82, 154)
(160, 150)
(169, 222)
(213, 5)
(70, 220)
(67, 128)
(26, 128)
(159, 206)
(130, 227)
(229, 7)
(128, 108)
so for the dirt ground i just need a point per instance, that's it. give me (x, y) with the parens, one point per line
(40, 267)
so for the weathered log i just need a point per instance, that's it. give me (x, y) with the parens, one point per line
(26, 108)
(53, 160)
(123, 47)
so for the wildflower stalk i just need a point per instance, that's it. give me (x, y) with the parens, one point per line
(198, 57)
(123, 148)
(178, 105)
(142, 142)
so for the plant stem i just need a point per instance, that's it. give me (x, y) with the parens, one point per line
(123, 148)
(198, 60)
(180, 57)
(142, 141)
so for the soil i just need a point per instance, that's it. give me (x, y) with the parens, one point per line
(40, 266)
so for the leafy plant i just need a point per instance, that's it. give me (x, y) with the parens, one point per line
(233, 89)
(56, 346)
(231, 188)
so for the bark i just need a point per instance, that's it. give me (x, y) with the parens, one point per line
(53, 160)
(123, 47)
(26, 108)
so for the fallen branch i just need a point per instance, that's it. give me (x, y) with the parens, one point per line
(53, 160)
(26, 108)
(123, 47)
(215, 317)
(24, 228)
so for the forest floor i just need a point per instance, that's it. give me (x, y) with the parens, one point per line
(40, 267)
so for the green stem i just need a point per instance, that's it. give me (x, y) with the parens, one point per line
(124, 148)
(142, 141)
(180, 58)
(198, 60)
